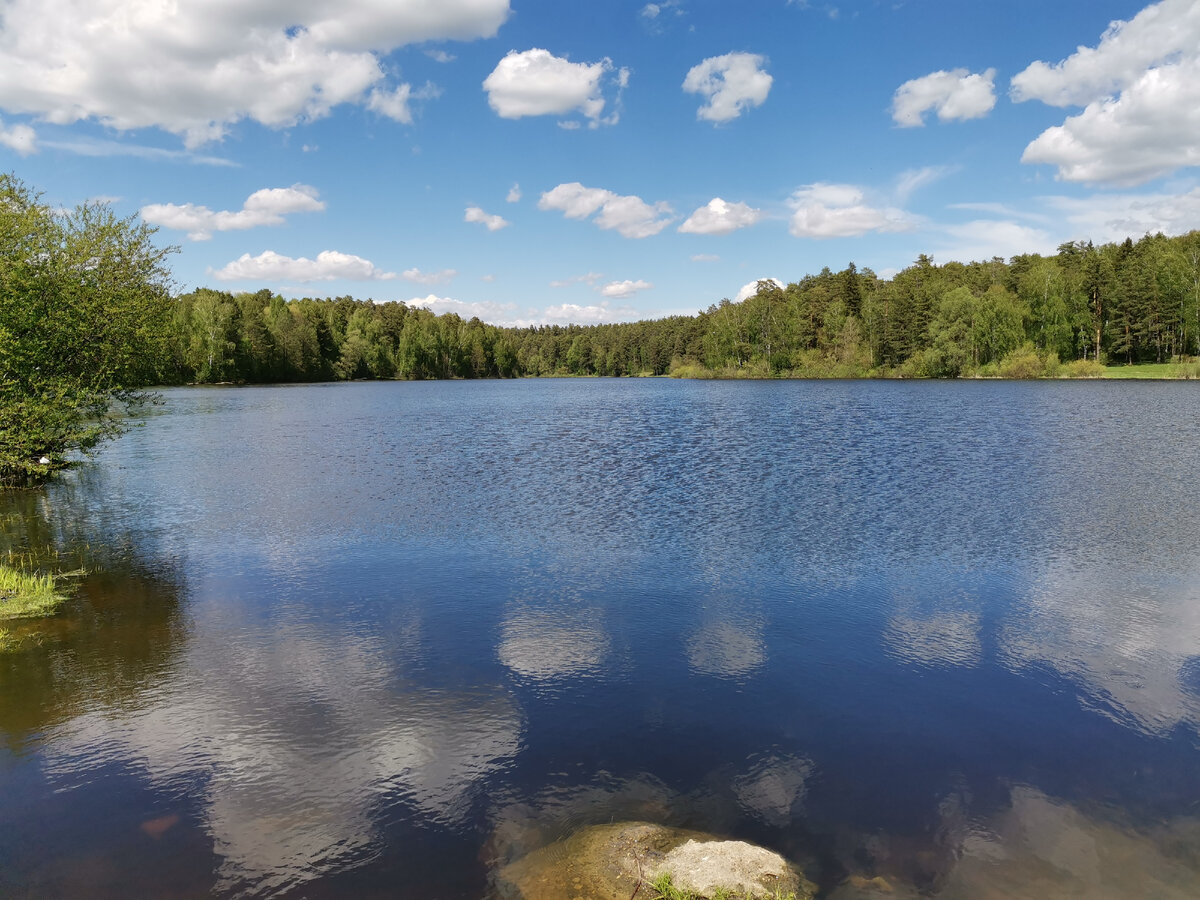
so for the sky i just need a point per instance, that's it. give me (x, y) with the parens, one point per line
(555, 161)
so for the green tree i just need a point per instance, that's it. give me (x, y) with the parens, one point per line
(85, 323)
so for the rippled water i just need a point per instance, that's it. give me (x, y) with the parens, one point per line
(382, 639)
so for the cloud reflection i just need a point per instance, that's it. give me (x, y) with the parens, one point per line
(1041, 847)
(1128, 637)
(299, 736)
(545, 644)
(773, 786)
(727, 648)
(935, 629)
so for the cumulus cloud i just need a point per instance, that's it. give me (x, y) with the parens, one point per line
(705, 257)
(750, 288)
(731, 83)
(1140, 89)
(395, 103)
(1160, 32)
(629, 216)
(957, 94)
(419, 277)
(328, 266)
(617, 290)
(493, 223)
(486, 310)
(265, 207)
(1150, 130)
(20, 138)
(823, 210)
(194, 69)
(514, 194)
(574, 314)
(719, 217)
(538, 83)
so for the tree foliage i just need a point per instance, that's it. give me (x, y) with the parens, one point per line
(1129, 302)
(85, 322)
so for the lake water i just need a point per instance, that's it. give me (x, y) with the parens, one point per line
(380, 639)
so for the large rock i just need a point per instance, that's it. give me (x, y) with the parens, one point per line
(608, 862)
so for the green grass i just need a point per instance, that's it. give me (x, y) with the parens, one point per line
(1154, 370)
(24, 596)
(665, 889)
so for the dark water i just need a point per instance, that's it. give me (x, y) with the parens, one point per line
(380, 639)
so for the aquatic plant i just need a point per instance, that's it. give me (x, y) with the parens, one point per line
(26, 596)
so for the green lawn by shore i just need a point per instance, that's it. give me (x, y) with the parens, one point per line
(1154, 370)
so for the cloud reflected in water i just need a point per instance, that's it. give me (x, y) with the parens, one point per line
(299, 736)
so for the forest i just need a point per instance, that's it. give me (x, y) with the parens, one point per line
(1031, 316)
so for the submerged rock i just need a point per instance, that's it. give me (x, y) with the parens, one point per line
(609, 862)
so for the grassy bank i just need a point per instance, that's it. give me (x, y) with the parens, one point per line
(25, 596)
(1175, 370)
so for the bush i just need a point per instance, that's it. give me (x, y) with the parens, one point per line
(1082, 368)
(85, 314)
(1027, 362)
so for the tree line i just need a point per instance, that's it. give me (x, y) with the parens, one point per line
(1128, 302)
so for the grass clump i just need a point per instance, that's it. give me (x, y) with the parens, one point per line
(25, 596)
(665, 889)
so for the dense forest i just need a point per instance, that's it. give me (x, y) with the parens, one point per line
(1031, 316)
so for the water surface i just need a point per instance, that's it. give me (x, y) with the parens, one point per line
(338, 639)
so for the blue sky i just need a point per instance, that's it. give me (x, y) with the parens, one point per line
(533, 161)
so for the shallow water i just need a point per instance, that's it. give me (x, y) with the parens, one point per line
(339, 639)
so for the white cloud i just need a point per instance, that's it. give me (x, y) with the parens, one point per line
(19, 138)
(719, 217)
(493, 223)
(1003, 210)
(194, 69)
(984, 238)
(732, 83)
(618, 290)
(1114, 217)
(514, 194)
(1151, 130)
(265, 207)
(750, 288)
(570, 313)
(419, 277)
(958, 94)
(1159, 33)
(1140, 89)
(537, 83)
(101, 149)
(912, 180)
(840, 210)
(392, 104)
(328, 266)
(486, 310)
(440, 56)
(629, 216)
(654, 16)
(705, 257)
(590, 278)
(508, 314)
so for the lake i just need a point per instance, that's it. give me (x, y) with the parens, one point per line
(379, 639)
